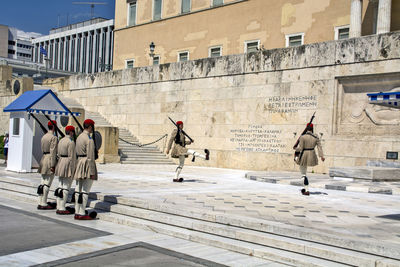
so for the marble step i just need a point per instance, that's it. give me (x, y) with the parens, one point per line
(375, 174)
(278, 255)
(143, 156)
(287, 244)
(266, 233)
(145, 220)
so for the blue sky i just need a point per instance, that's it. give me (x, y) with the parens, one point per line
(42, 15)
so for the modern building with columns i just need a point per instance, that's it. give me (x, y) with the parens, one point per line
(192, 29)
(85, 47)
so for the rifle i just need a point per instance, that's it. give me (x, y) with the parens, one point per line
(75, 119)
(191, 140)
(296, 154)
(40, 124)
(54, 125)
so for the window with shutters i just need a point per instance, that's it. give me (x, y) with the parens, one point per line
(129, 63)
(294, 39)
(157, 7)
(186, 6)
(183, 56)
(251, 46)
(132, 13)
(215, 51)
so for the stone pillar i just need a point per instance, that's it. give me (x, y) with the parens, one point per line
(108, 152)
(384, 16)
(355, 18)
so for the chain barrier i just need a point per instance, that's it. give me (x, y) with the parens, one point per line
(142, 145)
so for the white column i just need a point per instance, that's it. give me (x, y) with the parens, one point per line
(59, 54)
(87, 52)
(81, 54)
(112, 46)
(68, 68)
(384, 16)
(53, 60)
(94, 58)
(75, 53)
(101, 56)
(64, 65)
(355, 18)
(108, 39)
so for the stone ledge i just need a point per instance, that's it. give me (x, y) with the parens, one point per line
(375, 174)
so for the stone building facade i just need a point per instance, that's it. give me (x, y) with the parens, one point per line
(249, 109)
(193, 29)
(81, 47)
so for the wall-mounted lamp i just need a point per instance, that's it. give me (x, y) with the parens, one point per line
(152, 47)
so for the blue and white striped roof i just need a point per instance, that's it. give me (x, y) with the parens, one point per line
(39, 101)
(391, 99)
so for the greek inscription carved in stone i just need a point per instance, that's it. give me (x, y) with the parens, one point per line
(257, 138)
(291, 104)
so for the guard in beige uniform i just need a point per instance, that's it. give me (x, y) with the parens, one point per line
(86, 171)
(65, 170)
(307, 156)
(47, 167)
(180, 151)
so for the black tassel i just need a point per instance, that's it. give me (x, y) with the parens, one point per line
(80, 198)
(40, 190)
(194, 158)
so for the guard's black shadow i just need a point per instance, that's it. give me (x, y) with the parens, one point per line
(390, 217)
(197, 181)
(318, 193)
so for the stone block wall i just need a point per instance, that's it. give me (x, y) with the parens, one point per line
(249, 109)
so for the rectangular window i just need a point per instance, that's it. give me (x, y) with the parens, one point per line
(217, 2)
(129, 63)
(251, 46)
(183, 56)
(16, 126)
(157, 6)
(186, 6)
(294, 39)
(342, 32)
(132, 13)
(215, 51)
(11, 42)
(156, 60)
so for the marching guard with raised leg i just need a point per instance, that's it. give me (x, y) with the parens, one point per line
(180, 151)
(86, 171)
(65, 170)
(306, 154)
(47, 166)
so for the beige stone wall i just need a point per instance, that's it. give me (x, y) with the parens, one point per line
(7, 95)
(249, 109)
(230, 26)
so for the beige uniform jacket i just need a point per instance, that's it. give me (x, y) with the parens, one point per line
(49, 150)
(177, 149)
(66, 158)
(306, 147)
(86, 165)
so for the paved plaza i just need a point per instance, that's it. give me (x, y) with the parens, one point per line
(366, 221)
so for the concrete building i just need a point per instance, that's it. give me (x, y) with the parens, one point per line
(15, 44)
(82, 47)
(187, 29)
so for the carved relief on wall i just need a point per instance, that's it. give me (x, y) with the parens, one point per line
(356, 116)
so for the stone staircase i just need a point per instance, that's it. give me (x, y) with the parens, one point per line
(286, 244)
(129, 146)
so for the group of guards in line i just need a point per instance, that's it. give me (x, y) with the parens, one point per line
(69, 160)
